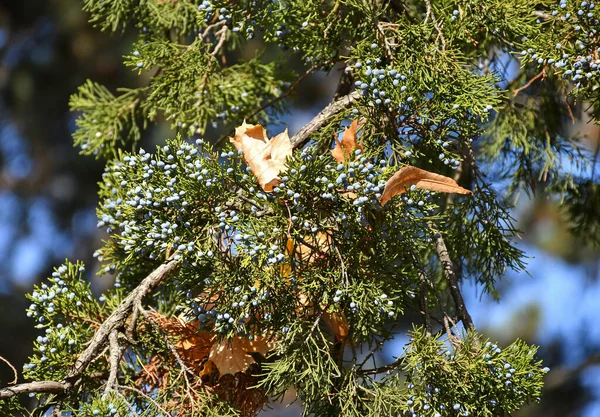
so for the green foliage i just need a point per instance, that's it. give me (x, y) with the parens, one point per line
(318, 270)
(468, 378)
(106, 121)
(247, 243)
(13, 406)
(68, 314)
(147, 15)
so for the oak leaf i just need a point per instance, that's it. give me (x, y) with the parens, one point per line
(231, 357)
(344, 148)
(266, 158)
(425, 180)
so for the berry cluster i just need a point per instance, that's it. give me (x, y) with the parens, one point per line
(507, 378)
(575, 48)
(59, 307)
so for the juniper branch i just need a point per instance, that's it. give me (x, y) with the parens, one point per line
(51, 387)
(448, 267)
(115, 353)
(117, 319)
(300, 138)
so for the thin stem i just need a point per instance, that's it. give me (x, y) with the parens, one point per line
(15, 373)
(118, 317)
(448, 267)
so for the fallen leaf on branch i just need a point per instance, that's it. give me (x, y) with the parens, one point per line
(425, 180)
(231, 357)
(344, 148)
(266, 158)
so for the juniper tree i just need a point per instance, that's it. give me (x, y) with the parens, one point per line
(248, 264)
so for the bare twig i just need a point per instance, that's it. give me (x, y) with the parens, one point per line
(314, 326)
(222, 33)
(15, 373)
(435, 23)
(454, 326)
(143, 394)
(387, 46)
(448, 268)
(211, 27)
(542, 73)
(387, 368)
(52, 387)
(453, 336)
(344, 274)
(300, 138)
(287, 93)
(114, 358)
(546, 16)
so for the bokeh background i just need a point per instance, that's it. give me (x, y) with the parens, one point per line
(48, 195)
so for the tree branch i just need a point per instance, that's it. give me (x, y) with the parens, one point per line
(461, 308)
(435, 23)
(300, 138)
(53, 387)
(287, 93)
(118, 317)
(15, 373)
(386, 368)
(541, 74)
(108, 330)
(170, 345)
(115, 354)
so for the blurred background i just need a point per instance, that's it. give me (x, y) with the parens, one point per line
(48, 196)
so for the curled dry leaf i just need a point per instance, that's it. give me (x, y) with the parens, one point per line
(425, 180)
(231, 357)
(266, 158)
(344, 148)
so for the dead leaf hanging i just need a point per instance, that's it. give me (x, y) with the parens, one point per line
(193, 345)
(344, 148)
(266, 158)
(231, 357)
(425, 180)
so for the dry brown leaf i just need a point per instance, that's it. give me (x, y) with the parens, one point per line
(344, 148)
(337, 323)
(266, 158)
(310, 248)
(193, 344)
(231, 357)
(425, 180)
